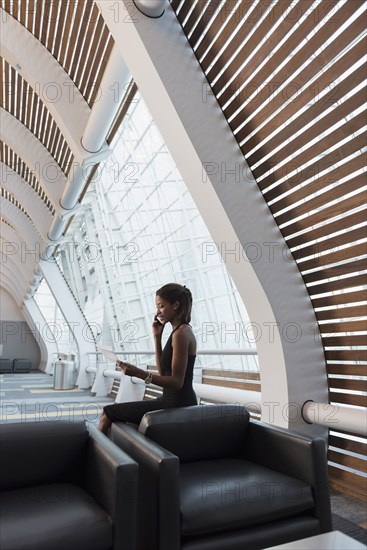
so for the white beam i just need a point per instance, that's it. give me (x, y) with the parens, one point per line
(212, 165)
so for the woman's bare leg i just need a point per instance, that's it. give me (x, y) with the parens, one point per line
(104, 423)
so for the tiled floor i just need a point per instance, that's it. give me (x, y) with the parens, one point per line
(31, 397)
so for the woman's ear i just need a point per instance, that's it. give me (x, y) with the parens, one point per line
(176, 305)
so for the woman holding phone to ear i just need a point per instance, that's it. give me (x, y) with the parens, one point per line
(175, 362)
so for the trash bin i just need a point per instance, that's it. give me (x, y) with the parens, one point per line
(64, 376)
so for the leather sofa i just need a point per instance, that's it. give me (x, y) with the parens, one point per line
(211, 478)
(63, 486)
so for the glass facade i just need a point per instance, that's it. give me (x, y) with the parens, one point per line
(140, 229)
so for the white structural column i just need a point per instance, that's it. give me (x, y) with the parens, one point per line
(73, 316)
(171, 81)
(38, 326)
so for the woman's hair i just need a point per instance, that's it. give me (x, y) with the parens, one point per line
(173, 292)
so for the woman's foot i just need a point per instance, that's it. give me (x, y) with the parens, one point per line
(104, 424)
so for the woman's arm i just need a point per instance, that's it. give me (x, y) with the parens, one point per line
(157, 336)
(180, 349)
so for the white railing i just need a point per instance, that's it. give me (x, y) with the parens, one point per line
(334, 416)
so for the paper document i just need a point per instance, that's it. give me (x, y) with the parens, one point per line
(108, 353)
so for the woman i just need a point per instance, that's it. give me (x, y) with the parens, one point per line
(175, 362)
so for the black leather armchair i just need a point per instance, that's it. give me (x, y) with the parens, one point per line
(211, 478)
(63, 486)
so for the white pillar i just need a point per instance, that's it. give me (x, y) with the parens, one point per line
(73, 316)
(38, 325)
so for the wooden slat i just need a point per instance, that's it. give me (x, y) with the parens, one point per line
(184, 10)
(92, 85)
(346, 355)
(22, 13)
(347, 460)
(224, 373)
(345, 222)
(338, 299)
(317, 64)
(349, 237)
(348, 399)
(45, 21)
(342, 313)
(347, 444)
(351, 340)
(343, 326)
(335, 193)
(315, 168)
(333, 257)
(38, 21)
(12, 89)
(66, 39)
(60, 38)
(83, 30)
(346, 370)
(238, 14)
(262, 30)
(348, 384)
(337, 114)
(83, 57)
(347, 482)
(232, 384)
(125, 105)
(97, 47)
(275, 37)
(348, 129)
(205, 20)
(175, 4)
(343, 269)
(107, 54)
(31, 14)
(286, 50)
(52, 25)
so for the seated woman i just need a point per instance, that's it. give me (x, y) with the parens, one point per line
(175, 362)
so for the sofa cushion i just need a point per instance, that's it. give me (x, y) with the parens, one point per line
(55, 516)
(200, 432)
(228, 494)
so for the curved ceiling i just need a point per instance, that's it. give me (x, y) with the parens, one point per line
(53, 59)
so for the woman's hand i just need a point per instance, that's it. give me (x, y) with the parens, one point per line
(131, 370)
(157, 327)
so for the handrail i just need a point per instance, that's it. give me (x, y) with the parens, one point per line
(335, 416)
(244, 351)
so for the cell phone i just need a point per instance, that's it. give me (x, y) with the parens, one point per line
(156, 318)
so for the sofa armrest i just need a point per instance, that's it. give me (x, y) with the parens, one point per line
(298, 455)
(111, 477)
(158, 494)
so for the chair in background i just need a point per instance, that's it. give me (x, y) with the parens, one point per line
(6, 365)
(22, 365)
(63, 486)
(220, 480)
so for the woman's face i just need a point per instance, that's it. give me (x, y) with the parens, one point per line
(165, 311)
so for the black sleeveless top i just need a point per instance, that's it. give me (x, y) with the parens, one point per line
(186, 395)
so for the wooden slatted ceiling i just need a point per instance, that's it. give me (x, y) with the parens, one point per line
(74, 32)
(11, 159)
(10, 197)
(291, 80)
(32, 112)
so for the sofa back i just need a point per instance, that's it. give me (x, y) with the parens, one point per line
(201, 432)
(35, 453)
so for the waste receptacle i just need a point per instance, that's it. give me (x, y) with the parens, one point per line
(64, 376)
